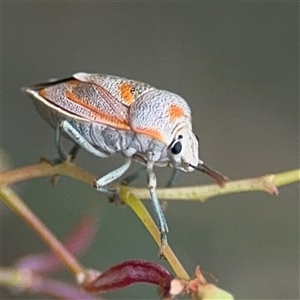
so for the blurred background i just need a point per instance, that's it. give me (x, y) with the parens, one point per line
(236, 64)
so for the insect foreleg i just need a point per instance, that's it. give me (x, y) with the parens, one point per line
(173, 178)
(128, 180)
(162, 223)
(101, 183)
(134, 176)
(77, 137)
(169, 184)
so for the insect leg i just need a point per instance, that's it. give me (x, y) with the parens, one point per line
(61, 152)
(74, 151)
(62, 155)
(101, 183)
(126, 181)
(169, 184)
(173, 178)
(80, 140)
(162, 223)
(132, 177)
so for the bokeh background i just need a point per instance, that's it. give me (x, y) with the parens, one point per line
(237, 65)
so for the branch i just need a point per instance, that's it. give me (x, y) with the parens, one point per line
(17, 205)
(140, 210)
(267, 183)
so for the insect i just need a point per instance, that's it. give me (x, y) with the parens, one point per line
(107, 115)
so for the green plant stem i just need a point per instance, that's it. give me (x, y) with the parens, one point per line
(267, 183)
(43, 169)
(17, 205)
(139, 209)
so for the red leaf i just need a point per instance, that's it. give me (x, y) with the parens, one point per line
(130, 272)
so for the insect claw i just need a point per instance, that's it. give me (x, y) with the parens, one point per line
(164, 244)
(95, 183)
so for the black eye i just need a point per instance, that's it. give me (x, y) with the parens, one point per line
(177, 147)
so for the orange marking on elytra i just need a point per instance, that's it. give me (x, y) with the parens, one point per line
(127, 93)
(74, 97)
(175, 112)
(97, 114)
(43, 93)
(150, 132)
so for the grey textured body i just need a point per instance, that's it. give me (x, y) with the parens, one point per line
(107, 139)
(107, 115)
(112, 141)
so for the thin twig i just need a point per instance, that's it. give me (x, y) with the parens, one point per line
(16, 204)
(139, 209)
(267, 183)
